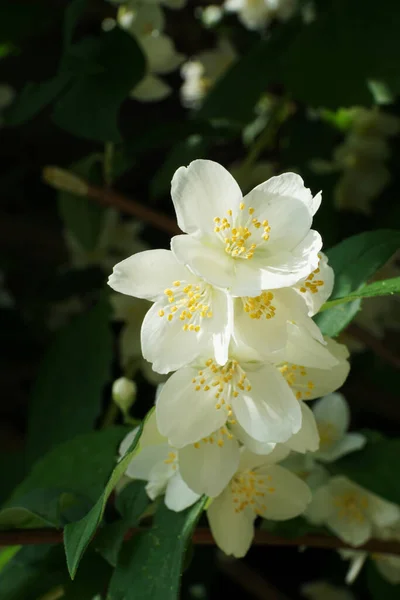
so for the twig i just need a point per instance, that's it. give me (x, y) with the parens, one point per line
(202, 537)
(374, 343)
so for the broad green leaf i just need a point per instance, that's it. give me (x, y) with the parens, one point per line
(354, 261)
(83, 218)
(34, 97)
(385, 287)
(6, 555)
(131, 503)
(79, 467)
(78, 535)
(39, 508)
(378, 587)
(68, 392)
(150, 564)
(375, 468)
(89, 108)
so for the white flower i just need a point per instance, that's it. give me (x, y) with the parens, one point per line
(323, 590)
(317, 287)
(202, 71)
(260, 242)
(306, 467)
(156, 462)
(259, 488)
(187, 315)
(332, 416)
(350, 511)
(200, 399)
(146, 23)
(256, 14)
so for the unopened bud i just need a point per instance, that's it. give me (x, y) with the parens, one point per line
(124, 393)
(65, 181)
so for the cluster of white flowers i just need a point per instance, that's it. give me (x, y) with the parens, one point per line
(145, 21)
(361, 158)
(232, 311)
(257, 14)
(351, 512)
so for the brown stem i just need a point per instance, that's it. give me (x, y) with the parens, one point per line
(374, 343)
(202, 537)
(108, 197)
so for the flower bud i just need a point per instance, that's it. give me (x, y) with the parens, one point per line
(124, 393)
(65, 181)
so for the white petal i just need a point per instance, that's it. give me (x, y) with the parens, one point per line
(381, 512)
(185, 415)
(221, 325)
(147, 274)
(349, 443)
(307, 439)
(291, 185)
(150, 435)
(250, 460)
(207, 467)
(233, 532)
(202, 191)
(142, 465)
(288, 495)
(209, 262)
(288, 218)
(303, 349)
(151, 89)
(159, 477)
(389, 567)
(166, 344)
(351, 531)
(333, 409)
(316, 295)
(321, 508)
(269, 412)
(160, 53)
(250, 443)
(178, 495)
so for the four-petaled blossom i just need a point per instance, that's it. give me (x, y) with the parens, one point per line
(350, 511)
(246, 245)
(187, 313)
(259, 488)
(332, 416)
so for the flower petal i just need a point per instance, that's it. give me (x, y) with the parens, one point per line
(207, 467)
(151, 89)
(143, 463)
(288, 495)
(202, 191)
(209, 262)
(178, 495)
(147, 274)
(185, 415)
(269, 412)
(250, 443)
(166, 344)
(333, 409)
(233, 531)
(307, 439)
(349, 443)
(316, 288)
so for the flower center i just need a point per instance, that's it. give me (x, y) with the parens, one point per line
(242, 237)
(190, 303)
(224, 382)
(296, 377)
(218, 437)
(249, 490)
(351, 506)
(328, 433)
(259, 306)
(172, 460)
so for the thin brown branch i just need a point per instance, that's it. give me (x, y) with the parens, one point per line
(202, 537)
(108, 197)
(375, 344)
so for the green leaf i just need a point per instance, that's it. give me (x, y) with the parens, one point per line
(375, 468)
(151, 563)
(6, 555)
(112, 66)
(131, 503)
(83, 218)
(321, 66)
(78, 535)
(386, 287)
(68, 392)
(354, 261)
(35, 97)
(79, 467)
